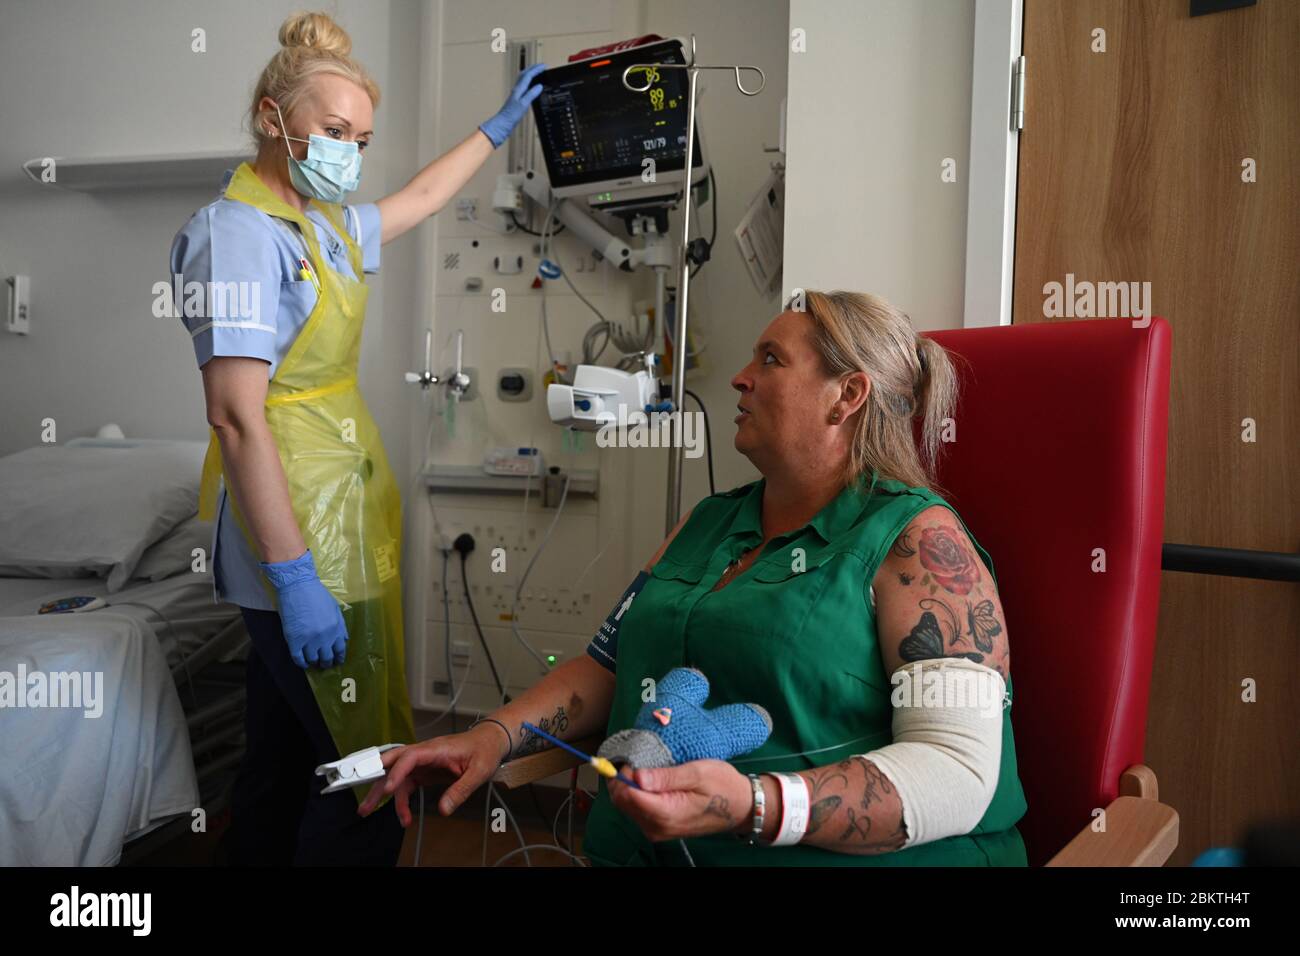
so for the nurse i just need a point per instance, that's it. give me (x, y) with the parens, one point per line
(308, 517)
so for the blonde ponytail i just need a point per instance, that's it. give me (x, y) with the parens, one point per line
(910, 376)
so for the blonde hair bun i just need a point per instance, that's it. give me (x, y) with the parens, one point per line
(311, 44)
(317, 31)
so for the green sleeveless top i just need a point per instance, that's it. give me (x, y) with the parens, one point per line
(799, 638)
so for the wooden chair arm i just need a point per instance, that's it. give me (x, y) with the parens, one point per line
(542, 764)
(1139, 832)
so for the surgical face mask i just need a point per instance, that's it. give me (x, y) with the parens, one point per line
(331, 170)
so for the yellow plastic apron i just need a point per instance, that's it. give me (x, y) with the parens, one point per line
(344, 497)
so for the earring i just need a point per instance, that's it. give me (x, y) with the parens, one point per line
(835, 416)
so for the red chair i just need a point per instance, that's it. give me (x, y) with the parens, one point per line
(1060, 451)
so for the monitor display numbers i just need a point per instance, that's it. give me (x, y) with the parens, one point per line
(593, 128)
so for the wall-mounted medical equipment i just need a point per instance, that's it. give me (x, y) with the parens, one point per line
(760, 234)
(605, 122)
(513, 461)
(457, 380)
(17, 293)
(597, 392)
(600, 137)
(472, 479)
(515, 384)
(508, 265)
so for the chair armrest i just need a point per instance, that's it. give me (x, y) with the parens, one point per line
(542, 764)
(1139, 832)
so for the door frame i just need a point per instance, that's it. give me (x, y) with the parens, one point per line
(994, 156)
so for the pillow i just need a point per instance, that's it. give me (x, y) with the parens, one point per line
(93, 509)
(175, 553)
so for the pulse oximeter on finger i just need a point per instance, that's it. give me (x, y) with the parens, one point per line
(355, 769)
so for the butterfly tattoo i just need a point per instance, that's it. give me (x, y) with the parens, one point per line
(983, 625)
(926, 642)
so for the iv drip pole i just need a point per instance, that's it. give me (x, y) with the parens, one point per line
(676, 451)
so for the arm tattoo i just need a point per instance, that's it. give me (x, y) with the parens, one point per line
(926, 640)
(719, 806)
(878, 786)
(874, 826)
(983, 624)
(903, 544)
(530, 742)
(824, 807)
(967, 628)
(948, 561)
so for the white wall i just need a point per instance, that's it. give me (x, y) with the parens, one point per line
(120, 79)
(881, 97)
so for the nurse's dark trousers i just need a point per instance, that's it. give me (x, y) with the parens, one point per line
(279, 817)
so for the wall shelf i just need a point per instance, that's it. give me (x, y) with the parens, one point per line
(91, 173)
(472, 479)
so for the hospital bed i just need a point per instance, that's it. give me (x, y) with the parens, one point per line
(94, 784)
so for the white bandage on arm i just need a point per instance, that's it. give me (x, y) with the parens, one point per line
(947, 748)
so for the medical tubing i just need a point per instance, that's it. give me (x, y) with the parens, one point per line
(453, 694)
(176, 639)
(804, 753)
(522, 228)
(713, 204)
(523, 844)
(589, 354)
(708, 437)
(585, 301)
(569, 802)
(514, 607)
(419, 833)
(464, 682)
(528, 484)
(446, 612)
(464, 580)
(555, 824)
(546, 251)
(600, 554)
(538, 846)
(479, 222)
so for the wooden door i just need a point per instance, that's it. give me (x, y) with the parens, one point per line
(1133, 168)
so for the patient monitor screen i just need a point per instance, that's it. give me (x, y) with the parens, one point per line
(594, 129)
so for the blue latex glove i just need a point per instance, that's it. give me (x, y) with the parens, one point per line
(310, 617)
(499, 127)
(675, 728)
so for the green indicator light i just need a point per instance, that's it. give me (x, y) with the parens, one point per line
(550, 659)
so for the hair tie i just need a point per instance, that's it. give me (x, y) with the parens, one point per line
(920, 357)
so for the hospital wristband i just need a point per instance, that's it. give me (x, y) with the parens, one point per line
(794, 809)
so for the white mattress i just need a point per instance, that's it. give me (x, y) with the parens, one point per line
(75, 787)
(184, 601)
